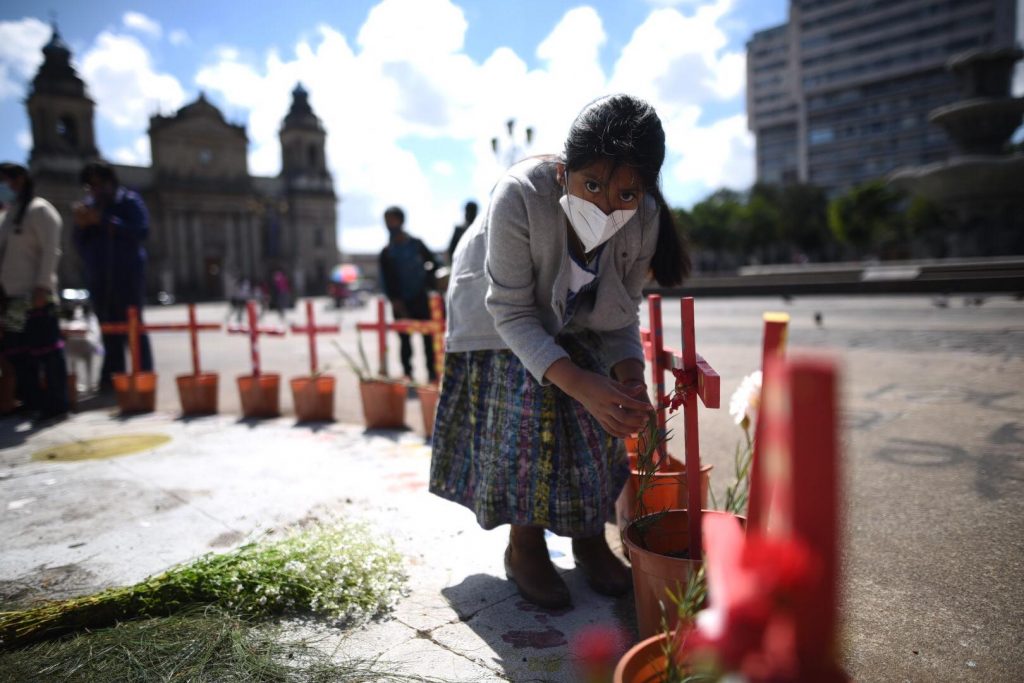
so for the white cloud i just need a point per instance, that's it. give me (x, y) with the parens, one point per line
(124, 83)
(23, 139)
(178, 37)
(705, 158)
(406, 77)
(138, 21)
(138, 154)
(21, 45)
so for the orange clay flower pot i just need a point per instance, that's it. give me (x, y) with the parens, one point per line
(135, 393)
(428, 404)
(198, 393)
(259, 395)
(667, 490)
(313, 398)
(658, 548)
(383, 404)
(645, 662)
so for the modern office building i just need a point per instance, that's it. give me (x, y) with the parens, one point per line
(841, 93)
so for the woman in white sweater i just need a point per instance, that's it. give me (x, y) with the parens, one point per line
(544, 372)
(29, 253)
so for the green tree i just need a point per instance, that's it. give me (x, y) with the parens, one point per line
(761, 223)
(716, 221)
(869, 218)
(803, 219)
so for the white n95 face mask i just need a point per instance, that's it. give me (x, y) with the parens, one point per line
(590, 223)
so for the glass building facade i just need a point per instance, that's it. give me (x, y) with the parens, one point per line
(841, 93)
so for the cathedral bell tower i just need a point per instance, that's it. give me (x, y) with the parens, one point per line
(310, 220)
(303, 162)
(61, 113)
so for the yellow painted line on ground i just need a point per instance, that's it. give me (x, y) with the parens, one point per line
(104, 447)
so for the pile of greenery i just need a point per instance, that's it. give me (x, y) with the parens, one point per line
(340, 572)
(200, 644)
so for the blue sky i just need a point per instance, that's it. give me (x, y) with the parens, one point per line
(410, 91)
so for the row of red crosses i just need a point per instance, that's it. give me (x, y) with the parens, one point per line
(133, 328)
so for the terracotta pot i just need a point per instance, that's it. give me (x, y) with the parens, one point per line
(259, 395)
(667, 490)
(135, 393)
(383, 404)
(645, 662)
(428, 404)
(657, 554)
(313, 398)
(198, 393)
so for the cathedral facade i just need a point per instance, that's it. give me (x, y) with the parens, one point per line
(211, 222)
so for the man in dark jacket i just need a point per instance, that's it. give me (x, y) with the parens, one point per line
(110, 228)
(407, 274)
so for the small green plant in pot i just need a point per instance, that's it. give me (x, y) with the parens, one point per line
(383, 398)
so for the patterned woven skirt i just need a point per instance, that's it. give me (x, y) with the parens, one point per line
(516, 452)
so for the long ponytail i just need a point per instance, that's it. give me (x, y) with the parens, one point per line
(670, 264)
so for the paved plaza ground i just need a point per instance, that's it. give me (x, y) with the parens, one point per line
(933, 470)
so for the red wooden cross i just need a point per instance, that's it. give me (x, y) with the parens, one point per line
(776, 326)
(783, 577)
(134, 329)
(254, 331)
(802, 492)
(434, 326)
(312, 329)
(705, 383)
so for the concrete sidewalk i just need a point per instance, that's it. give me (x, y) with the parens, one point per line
(74, 527)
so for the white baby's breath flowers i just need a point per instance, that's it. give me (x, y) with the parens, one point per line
(745, 401)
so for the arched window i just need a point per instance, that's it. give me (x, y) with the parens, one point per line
(314, 158)
(66, 130)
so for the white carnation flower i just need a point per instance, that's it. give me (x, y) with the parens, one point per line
(746, 400)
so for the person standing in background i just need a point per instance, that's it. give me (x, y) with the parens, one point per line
(407, 270)
(29, 254)
(469, 216)
(112, 224)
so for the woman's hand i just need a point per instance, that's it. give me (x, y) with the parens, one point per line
(614, 404)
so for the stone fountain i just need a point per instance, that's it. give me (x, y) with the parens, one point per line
(981, 186)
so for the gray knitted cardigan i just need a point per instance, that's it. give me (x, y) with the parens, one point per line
(510, 275)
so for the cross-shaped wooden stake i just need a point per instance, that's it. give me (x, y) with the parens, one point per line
(706, 385)
(776, 326)
(434, 326)
(312, 330)
(193, 328)
(254, 331)
(801, 485)
(133, 328)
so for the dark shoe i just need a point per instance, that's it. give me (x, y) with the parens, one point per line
(604, 571)
(529, 567)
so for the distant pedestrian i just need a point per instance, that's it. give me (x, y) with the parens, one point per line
(30, 230)
(407, 269)
(469, 215)
(112, 223)
(281, 295)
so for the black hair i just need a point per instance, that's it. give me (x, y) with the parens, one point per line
(626, 131)
(470, 211)
(395, 211)
(98, 170)
(28, 187)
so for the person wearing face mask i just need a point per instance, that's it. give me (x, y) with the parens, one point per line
(544, 368)
(111, 225)
(407, 270)
(29, 253)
